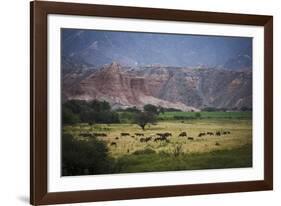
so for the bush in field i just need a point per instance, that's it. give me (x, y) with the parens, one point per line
(144, 151)
(144, 118)
(80, 157)
(68, 117)
(177, 150)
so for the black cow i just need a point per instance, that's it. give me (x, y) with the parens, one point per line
(168, 134)
(125, 134)
(148, 139)
(201, 134)
(161, 139)
(86, 135)
(100, 134)
(164, 135)
(183, 134)
(145, 139)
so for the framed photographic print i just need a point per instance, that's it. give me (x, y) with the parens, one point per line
(131, 102)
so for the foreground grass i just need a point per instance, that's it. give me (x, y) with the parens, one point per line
(152, 162)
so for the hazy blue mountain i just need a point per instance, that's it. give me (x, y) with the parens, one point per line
(134, 49)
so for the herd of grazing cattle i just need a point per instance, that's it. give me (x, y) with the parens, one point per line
(158, 137)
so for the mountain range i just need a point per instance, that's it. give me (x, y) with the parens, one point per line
(181, 88)
(98, 48)
(186, 72)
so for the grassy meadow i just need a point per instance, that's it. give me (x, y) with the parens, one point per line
(225, 141)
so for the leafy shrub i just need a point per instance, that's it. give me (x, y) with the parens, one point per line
(80, 157)
(144, 151)
(68, 117)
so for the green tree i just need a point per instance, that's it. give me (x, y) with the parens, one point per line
(89, 112)
(99, 106)
(76, 106)
(151, 109)
(161, 110)
(144, 118)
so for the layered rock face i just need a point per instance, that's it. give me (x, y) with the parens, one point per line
(171, 87)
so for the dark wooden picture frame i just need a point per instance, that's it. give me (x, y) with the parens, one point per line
(38, 108)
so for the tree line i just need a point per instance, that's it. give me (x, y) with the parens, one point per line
(77, 111)
(91, 112)
(214, 109)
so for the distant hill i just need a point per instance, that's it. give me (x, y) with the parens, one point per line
(139, 49)
(240, 62)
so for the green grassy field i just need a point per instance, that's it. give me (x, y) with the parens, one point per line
(204, 115)
(156, 162)
(208, 151)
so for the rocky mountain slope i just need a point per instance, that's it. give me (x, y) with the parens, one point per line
(171, 87)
